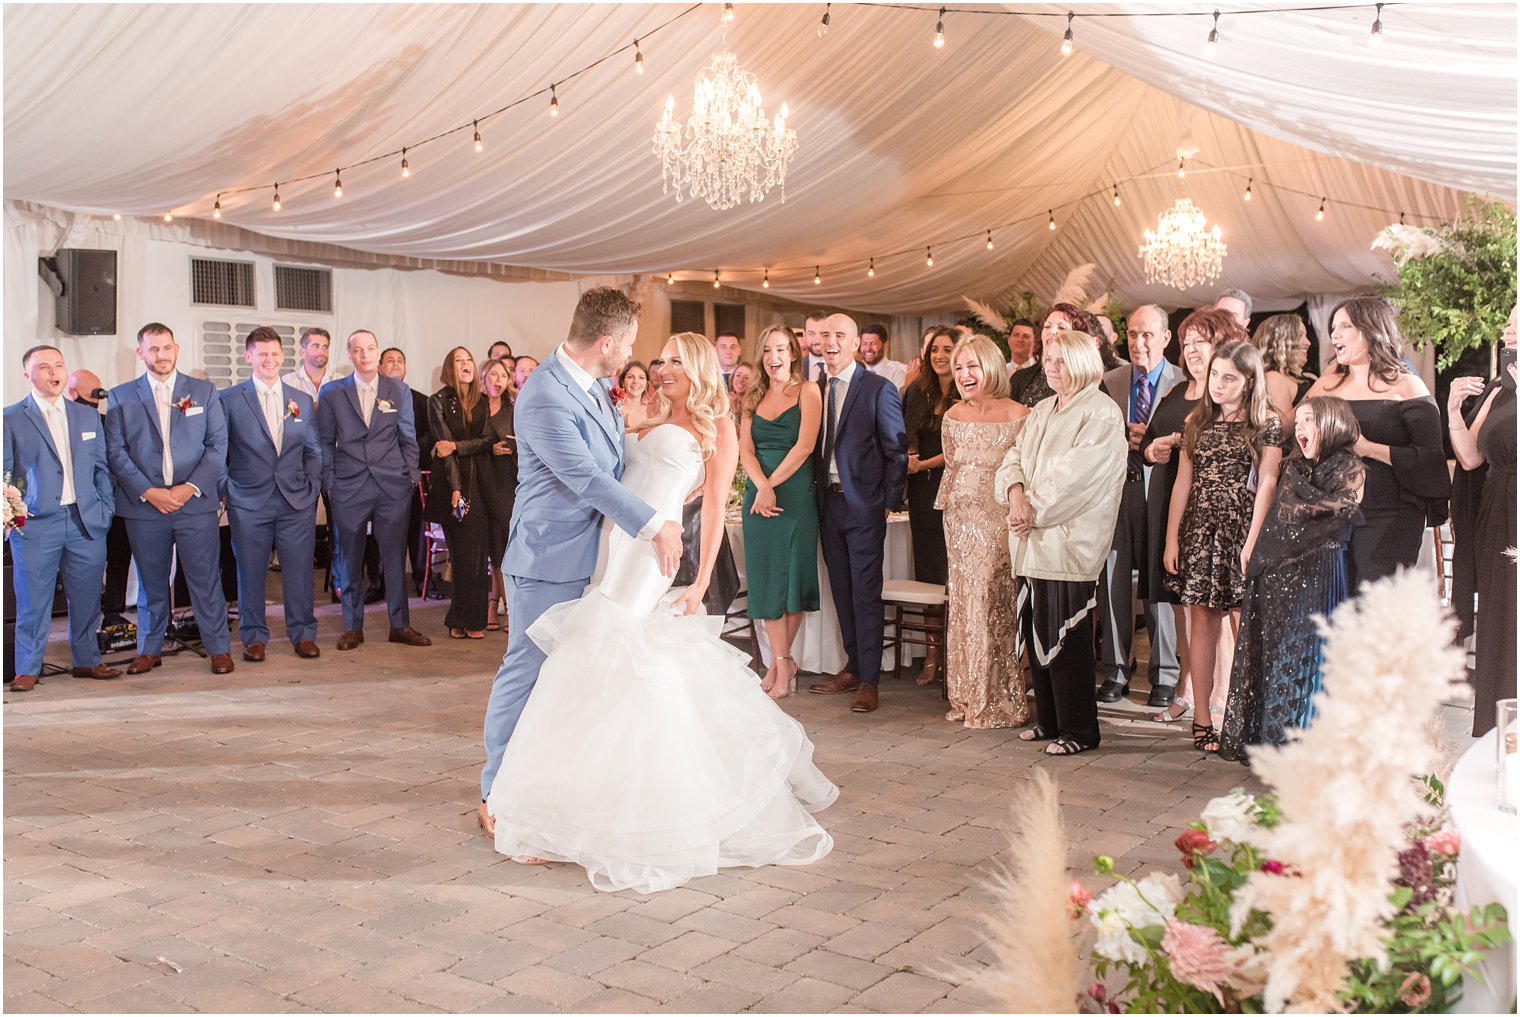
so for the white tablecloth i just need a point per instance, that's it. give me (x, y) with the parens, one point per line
(1485, 867)
(820, 646)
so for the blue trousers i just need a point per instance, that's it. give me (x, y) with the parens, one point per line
(294, 534)
(853, 553)
(198, 540)
(527, 600)
(352, 515)
(38, 551)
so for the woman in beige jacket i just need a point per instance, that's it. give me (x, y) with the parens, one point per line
(1061, 481)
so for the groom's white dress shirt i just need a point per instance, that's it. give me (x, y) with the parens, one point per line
(580, 376)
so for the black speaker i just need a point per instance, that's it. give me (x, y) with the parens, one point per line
(87, 304)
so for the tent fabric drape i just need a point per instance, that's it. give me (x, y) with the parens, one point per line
(139, 109)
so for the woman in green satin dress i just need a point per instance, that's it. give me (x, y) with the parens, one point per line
(776, 438)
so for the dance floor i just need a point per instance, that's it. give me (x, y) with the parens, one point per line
(300, 836)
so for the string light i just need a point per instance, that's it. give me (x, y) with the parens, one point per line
(480, 146)
(1052, 219)
(277, 205)
(638, 58)
(871, 269)
(728, 13)
(1117, 202)
(1247, 196)
(817, 276)
(670, 278)
(116, 216)
(989, 240)
(1320, 215)
(168, 217)
(1213, 44)
(1068, 43)
(216, 210)
(1377, 28)
(929, 257)
(406, 167)
(823, 26)
(553, 101)
(939, 30)
(1401, 218)
(715, 278)
(1181, 168)
(337, 183)
(765, 283)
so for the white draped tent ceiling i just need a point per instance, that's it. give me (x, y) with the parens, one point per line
(139, 109)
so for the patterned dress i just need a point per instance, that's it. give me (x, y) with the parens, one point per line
(1218, 516)
(983, 679)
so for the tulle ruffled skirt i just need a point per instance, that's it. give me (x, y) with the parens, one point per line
(648, 755)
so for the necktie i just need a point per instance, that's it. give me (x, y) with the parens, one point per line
(602, 406)
(1140, 413)
(273, 418)
(366, 402)
(831, 425)
(165, 418)
(58, 424)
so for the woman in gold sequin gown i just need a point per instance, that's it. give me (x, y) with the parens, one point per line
(983, 679)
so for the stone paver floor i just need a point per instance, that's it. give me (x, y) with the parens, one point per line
(301, 836)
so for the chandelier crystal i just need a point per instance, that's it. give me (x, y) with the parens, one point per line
(730, 149)
(1180, 251)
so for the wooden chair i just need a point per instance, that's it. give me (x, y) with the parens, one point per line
(433, 540)
(917, 618)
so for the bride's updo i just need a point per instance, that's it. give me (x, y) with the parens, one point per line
(708, 401)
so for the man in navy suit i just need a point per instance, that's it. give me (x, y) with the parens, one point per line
(369, 467)
(166, 440)
(54, 453)
(862, 469)
(274, 472)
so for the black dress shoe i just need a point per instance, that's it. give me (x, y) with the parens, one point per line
(1112, 691)
(374, 595)
(1161, 696)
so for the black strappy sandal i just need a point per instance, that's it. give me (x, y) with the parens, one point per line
(1034, 734)
(1065, 747)
(1205, 738)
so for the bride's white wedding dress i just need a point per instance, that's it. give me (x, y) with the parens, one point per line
(647, 752)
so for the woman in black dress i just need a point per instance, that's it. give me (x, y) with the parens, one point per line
(498, 479)
(457, 418)
(924, 406)
(1483, 522)
(1407, 486)
(1202, 333)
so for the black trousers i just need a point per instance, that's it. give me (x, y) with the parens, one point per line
(1065, 702)
(468, 553)
(113, 593)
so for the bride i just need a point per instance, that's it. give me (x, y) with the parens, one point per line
(648, 753)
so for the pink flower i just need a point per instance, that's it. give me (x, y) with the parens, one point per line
(1098, 992)
(1080, 896)
(1194, 842)
(1272, 866)
(1199, 957)
(1447, 842)
(1415, 991)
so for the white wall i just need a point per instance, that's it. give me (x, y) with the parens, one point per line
(423, 311)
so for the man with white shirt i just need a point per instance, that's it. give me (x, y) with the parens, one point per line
(1021, 345)
(729, 347)
(875, 346)
(315, 369)
(166, 441)
(369, 470)
(813, 367)
(274, 471)
(55, 456)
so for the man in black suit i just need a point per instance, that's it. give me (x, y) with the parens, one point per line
(862, 470)
(812, 345)
(393, 365)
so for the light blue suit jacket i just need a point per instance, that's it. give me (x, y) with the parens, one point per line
(569, 464)
(135, 448)
(33, 464)
(254, 471)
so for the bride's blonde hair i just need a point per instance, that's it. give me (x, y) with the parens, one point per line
(708, 400)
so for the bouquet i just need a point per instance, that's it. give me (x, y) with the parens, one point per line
(15, 507)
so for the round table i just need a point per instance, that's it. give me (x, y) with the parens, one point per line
(820, 646)
(1485, 868)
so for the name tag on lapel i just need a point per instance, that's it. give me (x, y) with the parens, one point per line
(87, 436)
(292, 421)
(195, 411)
(390, 411)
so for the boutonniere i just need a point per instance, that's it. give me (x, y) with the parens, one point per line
(384, 405)
(292, 411)
(184, 404)
(618, 396)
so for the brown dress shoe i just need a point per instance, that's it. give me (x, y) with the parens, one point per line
(410, 636)
(350, 639)
(28, 682)
(487, 821)
(253, 652)
(99, 672)
(142, 664)
(307, 650)
(841, 682)
(865, 699)
(221, 663)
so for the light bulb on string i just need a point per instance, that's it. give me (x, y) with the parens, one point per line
(765, 283)
(553, 101)
(1068, 42)
(715, 278)
(929, 257)
(1181, 168)
(1212, 47)
(871, 269)
(1117, 201)
(1247, 196)
(480, 146)
(670, 278)
(337, 183)
(168, 217)
(1377, 28)
(116, 216)
(406, 167)
(638, 58)
(277, 205)
(823, 26)
(817, 276)
(1320, 215)
(989, 240)
(1052, 223)
(1401, 218)
(216, 210)
(939, 30)
(728, 13)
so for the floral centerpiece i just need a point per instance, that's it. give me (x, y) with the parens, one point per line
(1332, 893)
(15, 507)
(736, 492)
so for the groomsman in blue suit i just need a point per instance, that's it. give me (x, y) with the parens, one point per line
(274, 472)
(54, 453)
(166, 440)
(369, 467)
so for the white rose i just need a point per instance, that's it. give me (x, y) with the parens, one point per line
(1124, 906)
(1231, 817)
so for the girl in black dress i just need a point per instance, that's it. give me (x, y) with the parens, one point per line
(457, 420)
(1407, 484)
(924, 406)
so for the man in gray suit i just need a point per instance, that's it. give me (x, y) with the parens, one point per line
(1137, 387)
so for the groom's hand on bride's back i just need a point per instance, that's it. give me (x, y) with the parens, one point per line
(667, 547)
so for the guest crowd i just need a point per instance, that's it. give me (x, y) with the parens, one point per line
(1062, 497)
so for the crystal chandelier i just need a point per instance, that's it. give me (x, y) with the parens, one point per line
(1180, 252)
(730, 148)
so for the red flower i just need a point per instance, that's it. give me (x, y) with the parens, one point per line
(292, 410)
(185, 404)
(618, 396)
(1194, 842)
(1272, 866)
(1079, 897)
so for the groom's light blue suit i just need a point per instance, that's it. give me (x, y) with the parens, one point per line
(569, 465)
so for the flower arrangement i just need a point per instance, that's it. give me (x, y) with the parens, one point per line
(1292, 900)
(618, 395)
(292, 411)
(184, 403)
(736, 491)
(384, 405)
(15, 506)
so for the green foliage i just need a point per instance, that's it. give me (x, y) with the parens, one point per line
(1460, 295)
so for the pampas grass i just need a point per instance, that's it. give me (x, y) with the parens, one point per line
(1073, 289)
(987, 315)
(1346, 789)
(1031, 930)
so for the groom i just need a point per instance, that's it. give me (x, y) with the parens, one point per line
(569, 461)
